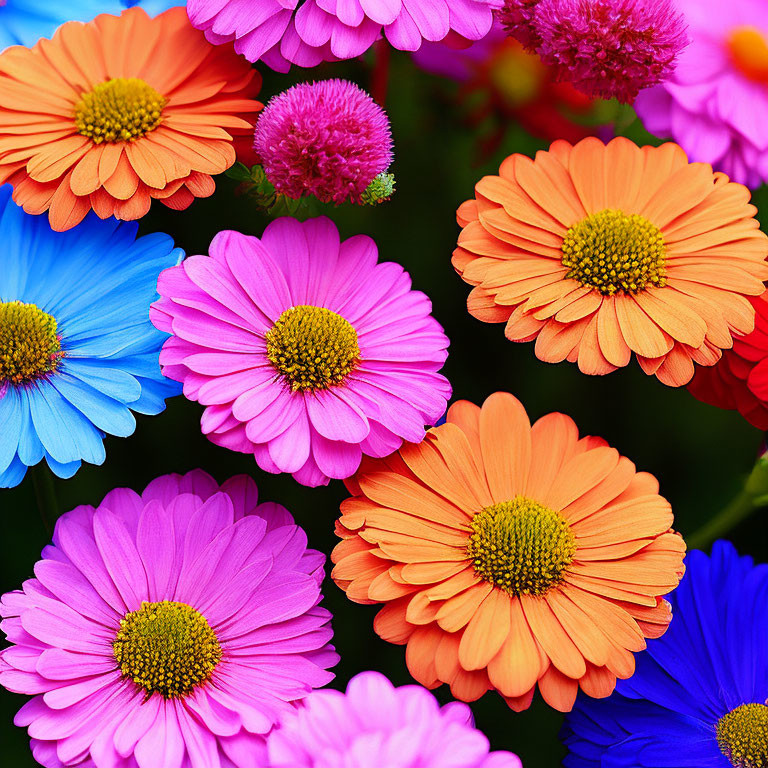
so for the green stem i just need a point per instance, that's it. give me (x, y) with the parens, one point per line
(749, 500)
(45, 494)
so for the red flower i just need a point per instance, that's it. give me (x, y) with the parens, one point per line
(739, 381)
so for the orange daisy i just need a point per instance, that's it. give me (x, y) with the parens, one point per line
(111, 114)
(509, 556)
(598, 251)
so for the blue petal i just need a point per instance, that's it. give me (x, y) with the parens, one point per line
(97, 280)
(11, 421)
(30, 449)
(108, 415)
(713, 658)
(65, 433)
(64, 471)
(14, 474)
(154, 394)
(101, 375)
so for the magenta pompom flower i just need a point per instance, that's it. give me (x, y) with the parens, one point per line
(517, 18)
(304, 350)
(285, 32)
(610, 48)
(715, 105)
(328, 139)
(403, 727)
(166, 630)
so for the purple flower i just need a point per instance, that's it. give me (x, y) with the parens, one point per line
(165, 630)
(305, 351)
(610, 48)
(402, 727)
(285, 32)
(328, 139)
(715, 105)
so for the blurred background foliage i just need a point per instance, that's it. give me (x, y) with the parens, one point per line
(701, 455)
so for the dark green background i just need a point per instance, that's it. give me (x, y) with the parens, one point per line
(700, 454)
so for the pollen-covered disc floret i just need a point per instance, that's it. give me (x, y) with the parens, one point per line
(743, 736)
(122, 109)
(30, 347)
(613, 252)
(312, 347)
(521, 546)
(167, 648)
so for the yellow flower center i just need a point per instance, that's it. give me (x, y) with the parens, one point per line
(166, 648)
(312, 347)
(749, 52)
(743, 736)
(122, 109)
(613, 252)
(30, 346)
(521, 546)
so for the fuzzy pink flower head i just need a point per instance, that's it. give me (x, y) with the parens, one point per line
(167, 629)
(329, 139)
(516, 16)
(610, 48)
(305, 351)
(374, 723)
(308, 32)
(715, 105)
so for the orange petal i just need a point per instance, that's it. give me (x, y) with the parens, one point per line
(558, 690)
(486, 631)
(515, 668)
(420, 655)
(552, 638)
(505, 437)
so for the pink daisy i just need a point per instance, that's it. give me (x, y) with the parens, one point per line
(715, 105)
(329, 139)
(285, 32)
(305, 351)
(403, 727)
(167, 630)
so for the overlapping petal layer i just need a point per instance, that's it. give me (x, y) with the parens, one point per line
(740, 379)
(209, 99)
(285, 32)
(405, 537)
(512, 249)
(95, 281)
(709, 669)
(243, 566)
(220, 309)
(374, 723)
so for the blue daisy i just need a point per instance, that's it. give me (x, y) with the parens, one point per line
(699, 695)
(78, 353)
(24, 22)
